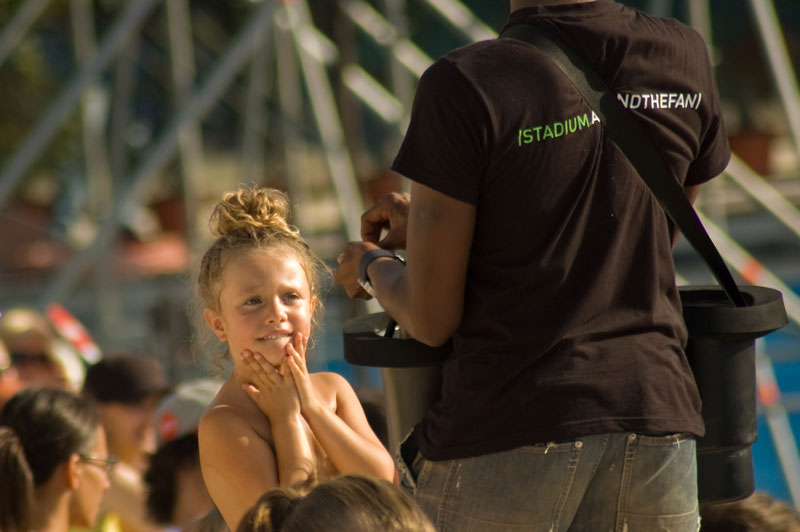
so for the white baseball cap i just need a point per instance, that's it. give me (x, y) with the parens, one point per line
(180, 411)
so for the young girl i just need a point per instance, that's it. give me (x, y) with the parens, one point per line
(272, 423)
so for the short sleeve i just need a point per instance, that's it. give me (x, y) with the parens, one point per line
(715, 152)
(445, 145)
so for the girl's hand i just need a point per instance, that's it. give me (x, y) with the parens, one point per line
(296, 361)
(273, 389)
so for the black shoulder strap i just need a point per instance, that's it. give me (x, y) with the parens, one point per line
(637, 146)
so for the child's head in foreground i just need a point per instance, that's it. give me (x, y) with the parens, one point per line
(350, 503)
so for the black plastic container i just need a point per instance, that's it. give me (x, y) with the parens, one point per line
(721, 352)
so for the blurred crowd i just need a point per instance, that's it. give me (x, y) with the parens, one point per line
(108, 444)
(149, 425)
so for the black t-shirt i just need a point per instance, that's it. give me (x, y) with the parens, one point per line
(572, 321)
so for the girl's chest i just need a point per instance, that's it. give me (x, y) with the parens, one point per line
(324, 468)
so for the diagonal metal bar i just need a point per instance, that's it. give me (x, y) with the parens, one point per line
(15, 29)
(457, 14)
(764, 193)
(328, 122)
(405, 52)
(752, 270)
(774, 42)
(43, 133)
(190, 138)
(94, 106)
(254, 128)
(164, 149)
(402, 83)
(373, 94)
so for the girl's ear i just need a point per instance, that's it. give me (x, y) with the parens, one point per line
(313, 304)
(214, 320)
(72, 472)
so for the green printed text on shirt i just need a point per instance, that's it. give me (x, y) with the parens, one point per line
(556, 129)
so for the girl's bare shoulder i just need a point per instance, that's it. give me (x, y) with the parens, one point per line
(330, 386)
(231, 412)
(327, 380)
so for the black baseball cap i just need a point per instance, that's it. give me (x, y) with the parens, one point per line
(126, 378)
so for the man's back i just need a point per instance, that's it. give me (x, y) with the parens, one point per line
(570, 299)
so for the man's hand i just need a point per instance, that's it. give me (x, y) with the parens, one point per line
(346, 274)
(390, 212)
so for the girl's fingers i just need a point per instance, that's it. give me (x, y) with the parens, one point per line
(255, 371)
(305, 345)
(293, 367)
(300, 363)
(285, 370)
(299, 378)
(298, 344)
(296, 360)
(252, 392)
(262, 371)
(292, 349)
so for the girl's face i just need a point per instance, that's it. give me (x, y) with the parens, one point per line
(264, 301)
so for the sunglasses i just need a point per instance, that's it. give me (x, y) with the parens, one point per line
(108, 463)
(22, 359)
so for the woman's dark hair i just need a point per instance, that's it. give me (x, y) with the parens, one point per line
(161, 476)
(40, 428)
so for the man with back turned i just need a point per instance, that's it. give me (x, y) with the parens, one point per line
(567, 402)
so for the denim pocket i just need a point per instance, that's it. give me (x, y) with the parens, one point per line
(522, 489)
(405, 460)
(420, 469)
(660, 479)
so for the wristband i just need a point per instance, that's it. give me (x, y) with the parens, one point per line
(366, 259)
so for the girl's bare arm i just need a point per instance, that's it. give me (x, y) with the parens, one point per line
(343, 432)
(238, 465)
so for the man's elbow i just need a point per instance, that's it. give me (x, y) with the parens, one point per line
(434, 334)
(434, 341)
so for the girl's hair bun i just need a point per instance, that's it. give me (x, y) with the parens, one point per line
(251, 212)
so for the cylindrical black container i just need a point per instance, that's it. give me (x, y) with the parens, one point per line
(721, 352)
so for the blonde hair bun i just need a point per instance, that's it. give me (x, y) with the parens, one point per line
(252, 211)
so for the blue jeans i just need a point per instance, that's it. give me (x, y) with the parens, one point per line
(608, 482)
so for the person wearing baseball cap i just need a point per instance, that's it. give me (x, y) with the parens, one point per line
(127, 388)
(176, 492)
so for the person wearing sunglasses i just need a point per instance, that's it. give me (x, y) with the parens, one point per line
(54, 462)
(31, 343)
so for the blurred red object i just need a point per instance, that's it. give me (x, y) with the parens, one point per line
(73, 330)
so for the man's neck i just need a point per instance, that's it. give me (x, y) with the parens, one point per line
(520, 4)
